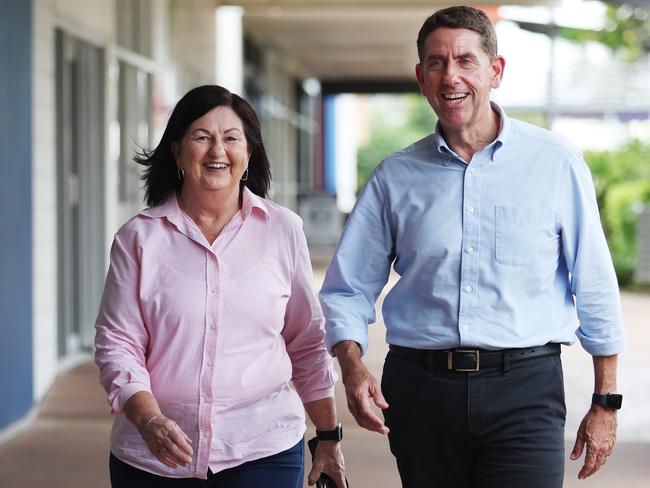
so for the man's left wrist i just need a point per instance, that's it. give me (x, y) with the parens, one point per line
(335, 434)
(609, 401)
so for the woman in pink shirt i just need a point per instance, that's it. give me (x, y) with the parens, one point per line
(209, 336)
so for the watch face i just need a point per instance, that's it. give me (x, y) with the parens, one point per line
(611, 401)
(330, 435)
(614, 401)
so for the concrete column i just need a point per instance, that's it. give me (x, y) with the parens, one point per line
(230, 48)
(345, 125)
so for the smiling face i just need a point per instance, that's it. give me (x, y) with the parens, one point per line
(456, 76)
(213, 153)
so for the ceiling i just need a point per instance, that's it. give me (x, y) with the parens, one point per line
(347, 40)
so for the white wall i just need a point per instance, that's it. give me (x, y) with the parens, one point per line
(44, 200)
(90, 20)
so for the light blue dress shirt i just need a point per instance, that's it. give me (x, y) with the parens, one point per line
(497, 253)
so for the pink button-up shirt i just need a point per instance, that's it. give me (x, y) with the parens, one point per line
(228, 337)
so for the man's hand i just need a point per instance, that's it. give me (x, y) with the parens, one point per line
(360, 387)
(328, 459)
(597, 432)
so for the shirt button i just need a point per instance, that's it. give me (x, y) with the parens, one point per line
(470, 210)
(467, 289)
(214, 291)
(213, 327)
(209, 363)
(473, 171)
(469, 250)
(465, 327)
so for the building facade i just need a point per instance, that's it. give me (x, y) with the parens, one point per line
(84, 85)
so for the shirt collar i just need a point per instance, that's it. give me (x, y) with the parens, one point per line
(504, 128)
(502, 136)
(251, 201)
(169, 208)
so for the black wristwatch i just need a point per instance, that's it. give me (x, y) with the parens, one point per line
(330, 435)
(611, 401)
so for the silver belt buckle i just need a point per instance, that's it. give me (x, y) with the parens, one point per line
(450, 360)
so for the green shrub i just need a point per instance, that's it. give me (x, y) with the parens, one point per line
(622, 181)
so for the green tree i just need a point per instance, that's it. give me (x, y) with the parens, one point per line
(627, 28)
(386, 138)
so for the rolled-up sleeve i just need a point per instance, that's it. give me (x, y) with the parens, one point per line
(593, 280)
(360, 267)
(304, 334)
(121, 336)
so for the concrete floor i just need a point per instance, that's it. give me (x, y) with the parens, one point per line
(67, 446)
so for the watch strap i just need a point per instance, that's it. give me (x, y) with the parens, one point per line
(611, 401)
(330, 435)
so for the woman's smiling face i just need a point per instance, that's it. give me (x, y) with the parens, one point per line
(213, 152)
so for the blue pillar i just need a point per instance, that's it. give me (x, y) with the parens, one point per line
(329, 166)
(16, 379)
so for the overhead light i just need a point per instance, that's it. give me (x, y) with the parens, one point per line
(311, 86)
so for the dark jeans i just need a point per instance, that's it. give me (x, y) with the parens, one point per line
(282, 470)
(491, 428)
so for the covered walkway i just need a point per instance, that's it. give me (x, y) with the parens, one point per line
(67, 446)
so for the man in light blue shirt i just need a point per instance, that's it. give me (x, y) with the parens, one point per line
(493, 227)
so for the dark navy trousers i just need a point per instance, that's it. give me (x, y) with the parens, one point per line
(492, 428)
(282, 470)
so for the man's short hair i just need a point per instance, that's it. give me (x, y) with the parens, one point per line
(460, 17)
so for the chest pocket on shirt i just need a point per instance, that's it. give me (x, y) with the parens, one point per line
(525, 235)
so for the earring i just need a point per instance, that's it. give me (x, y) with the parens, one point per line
(244, 177)
(180, 172)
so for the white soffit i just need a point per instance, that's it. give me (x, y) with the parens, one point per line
(339, 39)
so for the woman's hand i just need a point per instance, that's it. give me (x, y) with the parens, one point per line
(163, 436)
(167, 441)
(329, 460)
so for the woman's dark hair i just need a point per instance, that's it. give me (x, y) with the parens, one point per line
(460, 17)
(161, 176)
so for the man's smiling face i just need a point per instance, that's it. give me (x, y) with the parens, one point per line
(456, 76)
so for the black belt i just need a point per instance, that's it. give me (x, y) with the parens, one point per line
(468, 359)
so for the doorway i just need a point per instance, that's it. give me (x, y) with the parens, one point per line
(80, 186)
